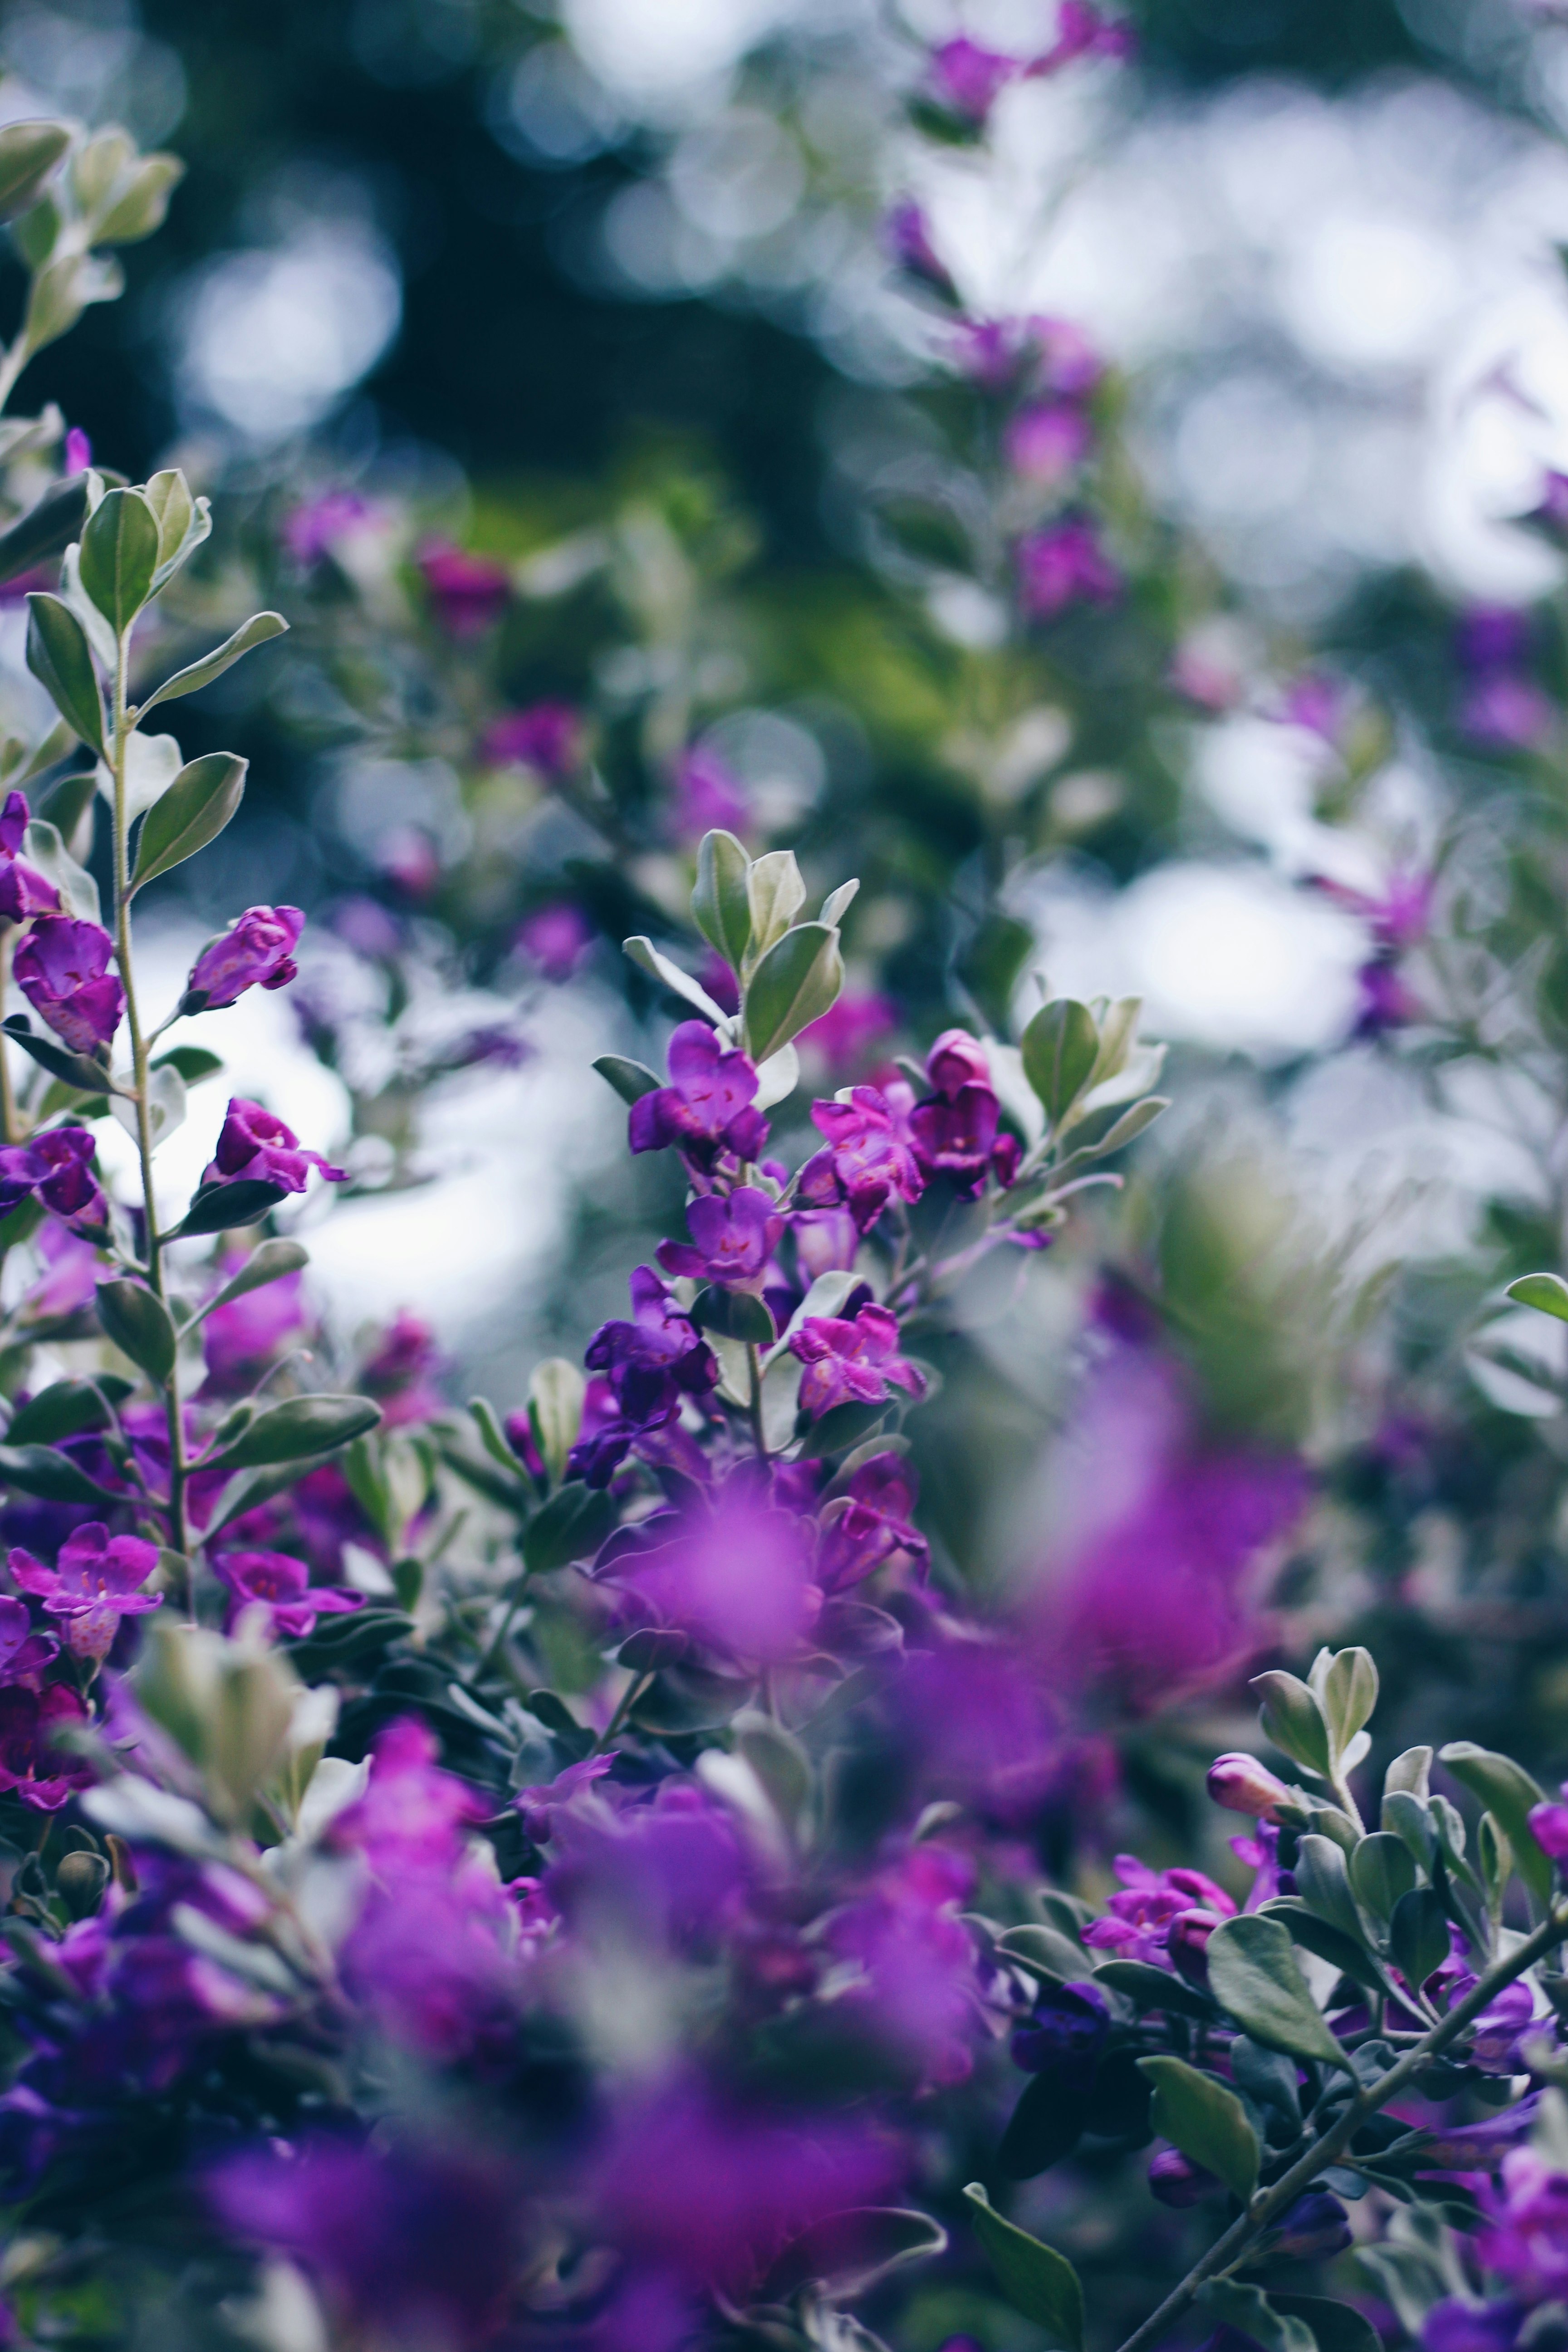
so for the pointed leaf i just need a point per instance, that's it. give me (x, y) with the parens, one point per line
(193, 812)
(1348, 1696)
(297, 1427)
(1048, 2123)
(40, 1470)
(1206, 2121)
(775, 895)
(269, 1262)
(139, 1326)
(257, 631)
(65, 1408)
(1337, 2326)
(1254, 1975)
(28, 154)
(1144, 1986)
(76, 1069)
(1506, 1790)
(735, 1314)
(797, 980)
(1293, 1720)
(1060, 1047)
(1548, 1293)
(1314, 1934)
(1323, 1882)
(1382, 1870)
(219, 1208)
(119, 556)
(1418, 1938)
(555, 1398)
(643, 952)
(194, 1064)
(720, 905)
(837, 903)
(43, 850)
(59, 659)
(631, 1080)
(572, 1526)
(1036, 2281)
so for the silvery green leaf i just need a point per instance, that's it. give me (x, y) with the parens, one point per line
(139, 1326)
(1547, 1292)
(1059, 1049)
(100, 164)
(644, 953)
(720, 904)
(1206, 2120)
(62, 290)
(193, 812)
(1036, 2281)
(140, 203)
(257, 631)
(1254, 1975)
(555, 1399)
(1117, 1027)
(60, 659)
(117, 555)
(1410, 1771)
(1382, 1870)
(30, 152)
(151, 763)
(1248, 2310)
(99, 632)
(777, 1078)
(21, 435)
(1139, 1075)
(133, 1809)
(794, 983)
(1507, 1790)
(165, 1106)
(1293, 1720)
(777, 895)
(1322, 1881)
(1348, 1694)
(197, 530)
(46, 752)
(1013, 1091)
(169, 496)
(43, 850)
(45, 529)
(631, 1080)
(269, 1262)
(826, 1297)
(837, 903)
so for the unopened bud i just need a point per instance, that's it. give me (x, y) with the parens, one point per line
(1243, 1785)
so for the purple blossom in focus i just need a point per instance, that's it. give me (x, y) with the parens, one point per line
(707, 1105)
(955, 1131)
(256, 950)
(58, 1166)
(733, 1235)
(467, 591)
(271, 1581)
(24, 892)
(97, 1581)
(1063, 565)
(546, 737)
(62, 970)
(255, 1146)
(868, 1525)
(868, 1159)
(1161, 1917)
(650, 1363)
(24, 1655)
(851, 1361)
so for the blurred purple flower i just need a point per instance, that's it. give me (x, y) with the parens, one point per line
(537, 1806)
(906, 237)
(555, 939)
(1050, 355)
(1553, 508)
(709, 795)
(666, 1875)
(919, 1989)
(1455, 2326)
(708, 1103)
(242, 1340)
(868, 1525)
(24, 892)
(282, 1586)
(546, 736)
(1063, 565)
(1509, 712)
(1525, 2241)
(256, 950)
(851, 1361)
(31, 1766)
(255, 1146)
(24, 1655)
(1500, 2030)
(1175, 2180)
(1314, 2229)
(311, 530)
(78, 454)
(827, 1240)
(868, 1161)
(1047, 441)
(62, 970)
(403, 1370)
(467, 591)
(967, 79)
(728, 1569)
(97, 1581)
(850, 1030)
(58, 1167)
(1492, 637)
(1084, 31)
(1063, 2035)
(735, 1235)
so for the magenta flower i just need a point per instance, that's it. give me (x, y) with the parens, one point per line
(1083, 31)
(555, 939)
(868, 1526)
(546, 737)
(851, 1030)
(1243, 1785)
(97, 1581)
(256, 950)
(919, 1991)
(311, 530)
(1174, 2180)
(411, 1816)
(956, 1131)
(31, 1766)
(467, 591)
(62, 970)
(967, 79)
(1316, 703)
(1508, 712)
(255, 1147)
(735, 1236)
(1062, 566)
(707, 1105)
(730, 1569)
(1051, 356)
(851, 1362)
(77, 455)
(281, 1585)
(1047, 441)
(24, 892)
(906, 237)
(403, 1370)
(1399, 916)
(1526, 2238)
(709, 795)
(1549, 1825)
(242, 1340)
(868, 1161)
(650, 1363)
(827, 1240)
(58, 1166)
(24, 1655)
(1161, 1916)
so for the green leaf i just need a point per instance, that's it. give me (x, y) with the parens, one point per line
(138, 208)
(1060, 1047)
(43, 849)
(1314, 1934)
(299, 1426)
(269, 1262)
(257, 631)
(734, 1314)
(1047, 2123)
(1411, 1822)
(1036, 2281)
(1206, 2121)
(62, 290)
(631, 1080)
(1547, 1292)
(45, 529)
(193, 1063)
(119, 556)
(65, 803)
(75, 1069)
(58, 658)
(195, 810)
(558, 1718)
(492, 1437)
(572, 1526)
(139, 1326)
(1409, 1774)
(40, 1470)
(220, 1208)
(795, 982)
(1322, 1881)
(720, 904)
(1382, 1870)
(1418, 1938)
(1348, 1696)
(65, 1408)
(775, 897)
(1248, 2310)
(1254, 1976)
(837, 903)
(169, 495)
(841, 1426)
(555, 1399)
(1293, 1720)
(1506, 1790)
(28, 154)
(644, 953)
(1336, 2326)
(1048, 1956)
(1107, 1134)
(1150, 1988)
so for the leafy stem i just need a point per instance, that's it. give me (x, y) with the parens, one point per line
(1269, 2203)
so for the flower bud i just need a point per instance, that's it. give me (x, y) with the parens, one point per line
(1315, 2227)
(1187, 1941)
(1549, 1827)
(1176, 2181)
(1243, 1785)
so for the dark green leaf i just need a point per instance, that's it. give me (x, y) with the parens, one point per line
(1314, 1934)
(58, 658)
(1248, 2310)
(1060, 1047)
(66, 802)
(1036, 2281)
(1254, 1975)
(193, 812)
(1506, 1790)
(139, 1326)
(1381, 1869)
(1418, 1938)
(653, 1648)
(193, 1063)
(631, 1080)
(1336, 2325)
(1046, 1954)
(841, 1426)
(119, 556)
(257, 631)
(796, 982)
(557, 1717)
(720, 904)
(1206, 2121)
(217, 1207)
(299, 1426)
(64, 1409)
(1322, 1881)
(45, 530)
(40, 1470)
(1348, 1696)
(75, 1069)
(572, 1526)
(734, 1314)
(1150, 1988)
(1046, 2125)
(1294, 1721)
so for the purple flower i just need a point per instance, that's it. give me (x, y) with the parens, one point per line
(58, 1166)
(467, 591)
(1508, 712)
(1082, 31)
(1243, 1785)
(242, 1340)
(1499, 2029)
(256, 950)
(735, 1235)
(1314, 2229)
(77, 455)
(24, 892)
(1455, 2326)
(1549, 1825)
(1174, 2180)
(868, 1160)
(411, 2246)
(62, 970)
(907, 236)
(31, 1766)
(546, 737)
(954, 1132)
(402, 1371)
(1316, 703)
(730, 1569)
(827, 1240)
(1551, 512)
(1047, 441)
(1140, 1916)
(650, 1363)
(1526, 2238)
(257, 1147)
(709, 795)
(851, 1361)
(669, 1876)
(24, 1655)
(1063, 565)
(1051, 355)
(868, 1525)
(1492, 636)
(311, 531)
(537, 1806)
(919, 1988)
(555, 939)
(708, 1103)
(967, 79)
(283, 1587)
(98, 1582)
(1064, 2035)
(848, 1032)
